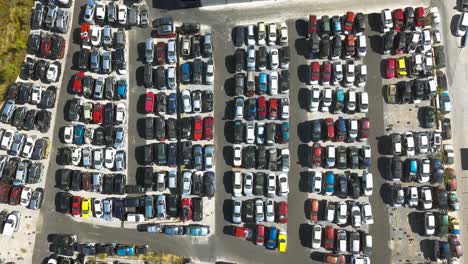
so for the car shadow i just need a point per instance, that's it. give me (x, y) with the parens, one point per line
(230, 63)
(427, 248)
(228, 206)
(301, 27)
(229, 110)
(229, 86)
(307, 205)
(141, 47)
(317, 256)
(304, 181)
(139, 75)
(303, 73)
(229, 131)
(75, 59)
(303, 97)
(141, 104)
(304, 235)
(141, 127)
(228, 230)
(374, 21)
(386, 193)
(303, 131)
(139, 155)
(384, 145)
(454, 24)
(228, 154)
(376, 43)
(76, 33)
(227, 181)
(303, 153)
(301, 46)
(416, 222)
(384, 167)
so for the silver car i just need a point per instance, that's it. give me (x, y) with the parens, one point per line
(187, 182)
(171, 51)
(161, 207)
(236, 212)
(120, 161)
(86, 155)
(88, 14)
(209, 157)
(259, 214)
(106, 62)
(62, 21)
(107, 36)
(98, 158)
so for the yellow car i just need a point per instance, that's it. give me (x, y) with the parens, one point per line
(401, 67)
(282, 241)
(86, 207)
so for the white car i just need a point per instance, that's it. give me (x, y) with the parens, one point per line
(317, 182)
(367, 183)
(425, 171)
(269, 210)
(196, 102)
(120, 161)
(171, 78)
(283, 184)
(237, 162)
(171, 51)
(285, 160)
(285, 108)
(271, 185)
(25, 197)
(100, 11)
(251, 58)
(186, 182)
(248, 183)
(95, 36)
(53, 72)
(236, 212)
(36, 94)
(237, 184)
(327, 99)
(356, 216)
(260, 133)
(259, 214)
(387, 21)
(271, 34)
(274, 59)
(98, 158)
(76, 156)
(12, 223)
(316, 236)
(427, 40)
(337, 73)
(97, 208)
(283, 34)
(120, 113)
(352, 130)
(361, 47)
(429, 223)
(250, 35)
(423, 143)
(7, 139)
(413, 197)
(367, 217)
(209, 79)
(68, 134)
(28, 147)
(109, 156)
(462, 24)
(314, 99)
(250, 133)
(273, 83)
(122, 15)
(330, 211)
(186, 101)
(409, 144)
(350, 74)
(261, 33)
(426, 197)
(239, 102)
(89, 14)
(342, 213)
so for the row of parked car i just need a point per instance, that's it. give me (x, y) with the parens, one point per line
(25, 119)
(51, 16)
(262, 133)
(421, 170)
(342, 213)
(78, 180)
(341, 185)
(21, 195)
(340, 157)
(418, 65)
(411, 144)
(333, 73)
(341, 130)
(163, 154)
(250, 84)
(258, 108)
(409, 19)
(342, 242)
(17, 144)
(196, 46)
(96, 158)
(261, 34)
(108, 88)
(116, 14)
(27, 93)
(46, 45)
(259, 210)
(413, 91)
(418, 41)
(424, 197)
(20, 172)
(249, 157)
(270, 237)
(40, 70)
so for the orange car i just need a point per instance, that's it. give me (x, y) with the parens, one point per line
(314, 207)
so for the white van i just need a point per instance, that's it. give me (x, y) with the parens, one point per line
(367, 183)
(261, 33)
(250, 35)
(364, 102)
(237, 184)
(172, 179)
(135, 218)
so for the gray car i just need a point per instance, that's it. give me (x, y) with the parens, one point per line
(18, 142)
(187, 183)
(51, 16)
(111, 12)
(95, 60)
(107, 209)
(197, 157)
(36, 199)
(3, 162)
(120, 160)
(107, 36)
(161, 207)
(62, 21)
(209, 157)
(106, 62)
(99, 88)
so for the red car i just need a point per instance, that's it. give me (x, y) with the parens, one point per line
(149, 102)
(326, 73)
(348, 24)
(312, 25)
(398, 20)
(390, 71)
(78, 83)
(334, 259)
(242, 232)
(273, 108)
(15, 195)
(330, 128)
(316, 155)
(197, 128)
(314, 72)
(98, 110)
(260, 235)
(329, 237)
(364, 129)
(76, 206)
(208, 128)
(283, 212)
(46, 46)
(261, 107)
(85, 34)
(161, 53)
(186, 211)
(419, 17)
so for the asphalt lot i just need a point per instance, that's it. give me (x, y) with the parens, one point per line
(222, 246)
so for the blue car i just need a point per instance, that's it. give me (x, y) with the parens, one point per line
(336, 20)
(149, 207)
(186, 74)
(172, 103)
(272, 237)
(262, 83)
(285, 132)
(107, 209)
(118, 207)
(330, 183)
(173, 230)
(197, 230)
(251, 109)
(125, 250)
(122, 89)
(78, 134)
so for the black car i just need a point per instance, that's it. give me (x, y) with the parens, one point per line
(27, 69)
(404, 92)
(337, 46)
(58, 46)
(134, 189)
(240, 59)
(353, 157)
(342, 190)
(35, 172)
(10, 170)
(40, 70)
(248, 211)
(148, 178)
(313, 46)
(37, 16)
(48, 97)
(261, 157)
(418, 90)
(238, 132)
(88, 84)
(148, 76)
(261, 57)
(105, 248)
(30, 120)
(360, 23)
(83, 59)
(109, 133)
(64, 179)
(401, 42)
(149, 127)
(148, 155)
(207, 101)
(107, 184)
(160, 125)
(197, 207)
(197, 184)
(185, 153)
(99, 136)
(270, 133)
(119, 184)
(324, 47)
(427, 116)
(34, 43)
(108, 114)
(172, 154)
(441, 80)
(316, 134)
(209, 184)
(341, 158)
(74, 109)
(43, 118)
(396, 168)
(446, 128)
(259, 186)
(171, 130)
(248, 157)
(239, 38)
(24, 93)
(68, 251)
(172, 206)
(354, 187)
(19, 117)
(387, 42)
(13, 91)
(86, 249)
(161, 100)
(61, 239)
(120, 63)
(442, 199)
(284, 81)
(63, 202)
(161, 82)
(160, 154)
(185, 128)
(196, 46)
(409, 18)
(75, 183)
(65, 156)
